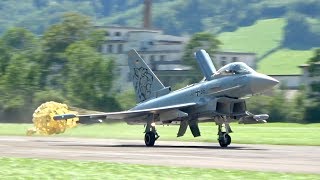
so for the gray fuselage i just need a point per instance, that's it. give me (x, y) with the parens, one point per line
(232, 86)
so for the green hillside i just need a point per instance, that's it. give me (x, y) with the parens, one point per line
(264, 38)
(284, 61)
(259, 38)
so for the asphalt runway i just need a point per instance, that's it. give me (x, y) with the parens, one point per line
(298, 159)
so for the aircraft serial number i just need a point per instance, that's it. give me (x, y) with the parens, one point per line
(198, 92)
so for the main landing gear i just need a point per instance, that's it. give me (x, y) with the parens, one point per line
(223, 135)
(151, 134)
(150, 138)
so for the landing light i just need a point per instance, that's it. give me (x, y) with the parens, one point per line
(153, 124)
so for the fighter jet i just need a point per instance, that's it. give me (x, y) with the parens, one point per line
(219, 97)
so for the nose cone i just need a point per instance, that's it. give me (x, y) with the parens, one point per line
(260, 83)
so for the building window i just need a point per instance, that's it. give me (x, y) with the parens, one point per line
(223, 63)
(152, 58)
(110, 48)
(223, 58)
(104, 48)
(120, 48)
(107, 33)
(162, 57)
(117, 34)
(234, 59)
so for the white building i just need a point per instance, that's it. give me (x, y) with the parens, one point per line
(158, 50)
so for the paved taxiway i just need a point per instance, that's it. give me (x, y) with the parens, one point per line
(305, 159)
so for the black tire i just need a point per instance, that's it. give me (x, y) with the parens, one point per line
(225, 140)
(150, 138)
(228, 139)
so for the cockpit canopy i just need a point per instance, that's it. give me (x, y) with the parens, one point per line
(234, 68)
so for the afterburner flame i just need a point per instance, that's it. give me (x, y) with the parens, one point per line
(44, 123)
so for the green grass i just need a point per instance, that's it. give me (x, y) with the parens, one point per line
(23, 168)
(284, 61)
(259, 38)
(270, 133)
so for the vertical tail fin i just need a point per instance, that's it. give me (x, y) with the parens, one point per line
(146, 84)
(205, 63)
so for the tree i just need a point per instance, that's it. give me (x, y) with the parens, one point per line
(20, 58)
(202, 40)
(89, 77)
(4, 57)
(126, 99)
(40, 3)
(18, 85)
(316, 57)
(278, 107)
(106, 6)
(74, 27)
(64, 66)
(96, 38)
(19, 39)
(299, 34)
(312, 110)
(314, 68)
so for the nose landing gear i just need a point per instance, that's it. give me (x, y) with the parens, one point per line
(224, 139)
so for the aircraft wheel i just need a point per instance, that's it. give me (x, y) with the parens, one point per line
(224, 140)
(150, 138)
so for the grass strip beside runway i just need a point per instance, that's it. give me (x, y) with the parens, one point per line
(270, 133)
(25, 168)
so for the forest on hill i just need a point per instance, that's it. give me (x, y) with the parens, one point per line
(179, 17)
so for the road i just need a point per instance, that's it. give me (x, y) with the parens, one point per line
(298, 159)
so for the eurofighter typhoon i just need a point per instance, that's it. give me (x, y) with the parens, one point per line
(218, 98)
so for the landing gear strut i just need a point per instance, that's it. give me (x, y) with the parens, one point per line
(223, 136)
(151, 134)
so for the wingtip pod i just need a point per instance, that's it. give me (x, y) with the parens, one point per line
(254, 119)
(64, 117)
(261, 117)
